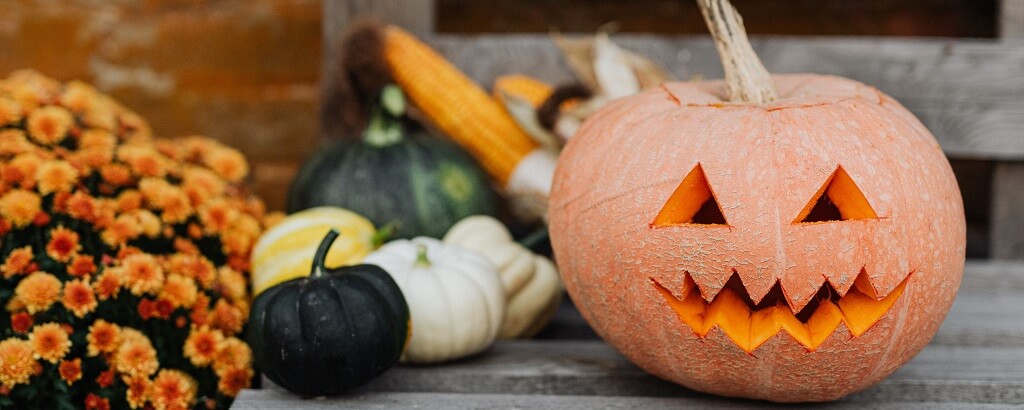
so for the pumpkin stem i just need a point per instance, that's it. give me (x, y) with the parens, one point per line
(321, 253)
(746, 78)
(385, 125)
(421, 256)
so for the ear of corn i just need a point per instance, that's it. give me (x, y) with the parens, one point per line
(527, 88)
(456, 105)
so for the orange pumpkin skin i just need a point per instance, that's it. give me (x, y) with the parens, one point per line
(763, 164)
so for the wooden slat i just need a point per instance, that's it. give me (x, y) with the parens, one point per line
(592, 368)
(1011, 19)
(967, 92)
(1006, 236)
(276, 399)
(977, 357)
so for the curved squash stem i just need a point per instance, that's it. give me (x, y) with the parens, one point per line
(746, 78)
(321, 253)
(421, 256)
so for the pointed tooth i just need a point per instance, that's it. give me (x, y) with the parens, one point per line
(788, 322)
(691, 310)
(678, 283)
(862, 311)
(757, 285)
(800, 288)
(710, 283)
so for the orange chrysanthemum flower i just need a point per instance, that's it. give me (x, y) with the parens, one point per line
(81, 206)
(228, 163)
(201, 184)
(81, 265)
(97, 138)
(123, 229)
(217, 215)
(194, 266)
(18, 262)
(231, 283)
(201, 345)
(108, 284)
(12, 141)
(116, 174)
(176, 207)
(179, 291)
(135, 357)
(38, 291)
(21, 322)
(70, 370)
(104, 337)
(78, 298)
(49, 342)
(143, 161)
(232, 353)
(226, 317)
(173, 389)
(234, 380)
(20, 207)
(105, 379)
(96, 402)
(49, 125)
(16, 363)
(21, 171)
(149, 224)
(55, 176)
(63, 244)
(10, 111)
(142, 274)
(138, 391)
(129, 200)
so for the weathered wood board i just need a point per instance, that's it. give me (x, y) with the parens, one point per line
(976, 360)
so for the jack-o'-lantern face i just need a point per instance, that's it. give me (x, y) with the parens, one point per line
(749, 322)
(795, 250)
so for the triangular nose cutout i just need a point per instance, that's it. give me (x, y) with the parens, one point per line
(838, 199)
(691, 203)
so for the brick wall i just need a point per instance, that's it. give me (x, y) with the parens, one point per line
(242, 71)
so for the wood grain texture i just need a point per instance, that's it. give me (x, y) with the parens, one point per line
(966, 92)
(976, 360)
(1006, 236)
(592, 368)
(1011, 19)
(277, 399)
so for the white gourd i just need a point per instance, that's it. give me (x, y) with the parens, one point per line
(533, 288)
(456, 301)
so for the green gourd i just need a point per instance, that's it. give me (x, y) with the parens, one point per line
(330, 332)
(396, 174)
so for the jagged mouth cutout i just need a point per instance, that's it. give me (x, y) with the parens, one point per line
(750, 324)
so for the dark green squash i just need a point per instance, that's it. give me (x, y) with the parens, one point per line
(395, 174)
(330, 332)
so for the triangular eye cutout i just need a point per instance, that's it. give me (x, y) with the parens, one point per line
(838, 199)
(691, 203)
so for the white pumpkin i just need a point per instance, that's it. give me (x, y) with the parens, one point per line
(456, 301)
(533, 288)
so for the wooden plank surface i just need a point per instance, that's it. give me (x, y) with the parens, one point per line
(976, 358)
(276, 399)
(968, 93)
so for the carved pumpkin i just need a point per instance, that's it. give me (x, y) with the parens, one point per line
(790, 248)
